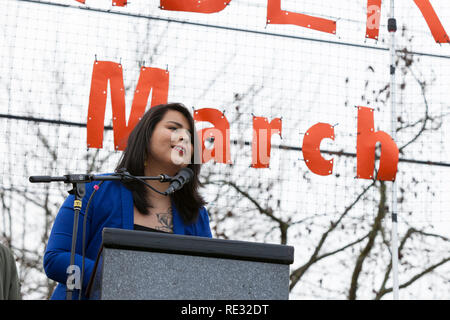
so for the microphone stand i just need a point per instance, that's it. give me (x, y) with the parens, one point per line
(78, 182)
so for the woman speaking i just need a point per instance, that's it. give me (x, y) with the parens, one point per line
(163, 142)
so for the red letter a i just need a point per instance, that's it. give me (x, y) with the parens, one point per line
(220, 134)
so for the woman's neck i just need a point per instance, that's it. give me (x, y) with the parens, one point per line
(154, 171)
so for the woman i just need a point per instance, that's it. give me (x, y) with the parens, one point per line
(162, 142)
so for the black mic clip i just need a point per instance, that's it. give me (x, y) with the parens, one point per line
(124, 174)
(77, 178)
(164, 178)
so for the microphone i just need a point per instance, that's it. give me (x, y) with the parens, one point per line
(181, 178)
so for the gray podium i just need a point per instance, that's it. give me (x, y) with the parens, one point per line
(141, 265)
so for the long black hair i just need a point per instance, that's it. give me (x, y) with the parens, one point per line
(187, 200)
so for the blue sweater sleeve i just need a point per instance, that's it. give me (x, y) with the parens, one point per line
(204, 223)
(57, 254)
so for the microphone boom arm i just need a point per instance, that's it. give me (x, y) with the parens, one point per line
(79, 190)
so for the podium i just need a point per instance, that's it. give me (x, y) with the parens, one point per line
(141, 265)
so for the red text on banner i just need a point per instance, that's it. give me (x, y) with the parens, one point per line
(277, 16)
(311, 148)
(373, 19)
(153, 79)
(365, 149)
(117, 3)
(200, 6)
(435, 25)
(219, 134)
(261, 144)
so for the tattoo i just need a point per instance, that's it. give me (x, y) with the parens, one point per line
(166, 221)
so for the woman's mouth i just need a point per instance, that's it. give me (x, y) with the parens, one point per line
(180, 149)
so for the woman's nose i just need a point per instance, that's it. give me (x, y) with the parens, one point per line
(185, 136)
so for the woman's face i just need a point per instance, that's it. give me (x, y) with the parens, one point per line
(170, 144)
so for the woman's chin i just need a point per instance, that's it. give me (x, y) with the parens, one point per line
(178, 160)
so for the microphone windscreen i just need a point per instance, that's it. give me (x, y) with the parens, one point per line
(187, 173)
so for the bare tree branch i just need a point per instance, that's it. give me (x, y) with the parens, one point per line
(283, 225)
(426, 117)
(416, 277)
(297, 274)
(411, 231)
(372, 235)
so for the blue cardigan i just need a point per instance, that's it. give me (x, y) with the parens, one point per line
(111, 206)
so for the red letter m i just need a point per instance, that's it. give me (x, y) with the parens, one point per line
(104, 71)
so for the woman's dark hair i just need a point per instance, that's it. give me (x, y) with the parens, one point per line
(187, 200)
